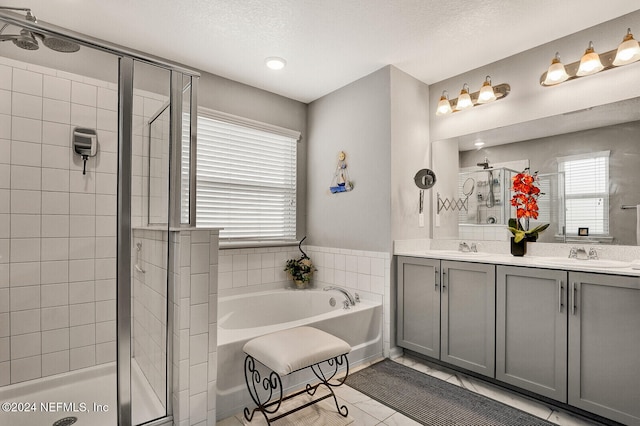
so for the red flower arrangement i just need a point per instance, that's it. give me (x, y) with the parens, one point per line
(525, 200)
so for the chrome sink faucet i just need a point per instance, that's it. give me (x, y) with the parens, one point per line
(351, 299)
(593, 254)
(464, 247)
(578, 253)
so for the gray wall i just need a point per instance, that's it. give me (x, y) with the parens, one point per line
(229, 96)
(624, 142)
(409, 153)
(354, 119)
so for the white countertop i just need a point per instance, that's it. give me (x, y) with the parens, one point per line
(603, 266)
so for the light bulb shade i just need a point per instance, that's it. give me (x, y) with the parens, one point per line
(628, 51)
(486, 94)
(444, 107)
(590, 63)
(464, 102)
(556, 73)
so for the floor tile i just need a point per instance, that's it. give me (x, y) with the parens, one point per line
(375, 409)
(565, 419)
(400, 420)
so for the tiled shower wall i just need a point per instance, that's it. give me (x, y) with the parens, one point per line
(57, 226)
(258, 269)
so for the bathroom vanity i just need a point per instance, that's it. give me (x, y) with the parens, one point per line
(554, 330)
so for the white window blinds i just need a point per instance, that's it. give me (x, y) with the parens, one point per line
(586, 192)
(246, 178)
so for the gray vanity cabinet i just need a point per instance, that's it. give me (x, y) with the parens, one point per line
(468, 316)
(531, 330)
(604, 345)
(419, 305)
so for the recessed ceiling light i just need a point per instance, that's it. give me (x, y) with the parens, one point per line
(275, 63)
(479, 143)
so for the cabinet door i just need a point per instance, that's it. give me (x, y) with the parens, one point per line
(531, 330)
(419, 305)
(468, 316)
(604, 345)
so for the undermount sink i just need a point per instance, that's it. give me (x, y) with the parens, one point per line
(460, 253)
(585, 263)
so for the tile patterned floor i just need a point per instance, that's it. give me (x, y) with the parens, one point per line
(367, 412)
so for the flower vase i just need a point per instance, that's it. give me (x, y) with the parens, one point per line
(518, 249)
(301, 285)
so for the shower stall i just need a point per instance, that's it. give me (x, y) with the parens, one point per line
(97, 144)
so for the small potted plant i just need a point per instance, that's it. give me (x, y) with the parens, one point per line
(300, 269)
(525, 200)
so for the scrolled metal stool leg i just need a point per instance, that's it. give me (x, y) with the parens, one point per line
(270, 384)
(336, 363)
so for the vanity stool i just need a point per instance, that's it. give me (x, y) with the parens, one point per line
(285, 352)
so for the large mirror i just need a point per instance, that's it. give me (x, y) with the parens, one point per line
(588, 162)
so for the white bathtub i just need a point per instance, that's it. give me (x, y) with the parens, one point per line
(241, 318)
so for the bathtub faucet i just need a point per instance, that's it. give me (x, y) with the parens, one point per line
(350, 298)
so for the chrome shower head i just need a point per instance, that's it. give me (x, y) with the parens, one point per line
(26, 40)
(59, 44)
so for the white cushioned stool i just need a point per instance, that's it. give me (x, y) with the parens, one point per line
(285, 352)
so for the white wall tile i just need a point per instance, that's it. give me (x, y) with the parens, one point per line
(105, 331)
(55, 363)
(107, 120)
(79, 182)
(24, 274)
(55, 180)
(25, 202)
(27, 106)
(82, 204)
(105, 289)
(23, 322)
(6, 73)
(199, 288)
(54, 317)
(82, 314)
(26, 369)
(22, 298)
(54, 272)
(81, 270)
(106, 205)
(83, 335)
(82, 248)
(198, 378)
(83, 116)
(106, 183)
(5, 349)
(198, 349)
(199, 319)
(26, 130)
(83, 226)
(81, 292)
(56, 88)
(23, 177)
(106, 247)
(27, 82)
(84, 94)
(82, 357)
(56, 111)
(5, 102)
(56, 134)
(5, 176)
(56, 157)
(25, 249)
(5, 331)
(105, 310)
(55, 226)
(107, 99)
(4, 300)
(25, 226)
(54, 295)
(105, 352)
(5, 151)
(4, 201)
(25, 345)
(107, 269)
(106, 226)
(55, 340)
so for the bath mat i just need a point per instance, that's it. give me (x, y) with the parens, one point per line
(432, 401)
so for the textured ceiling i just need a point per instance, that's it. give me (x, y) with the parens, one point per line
(327, 43)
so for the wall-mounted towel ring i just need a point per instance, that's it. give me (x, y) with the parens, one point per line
(137, 265)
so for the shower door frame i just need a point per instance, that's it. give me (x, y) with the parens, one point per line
(126, 61)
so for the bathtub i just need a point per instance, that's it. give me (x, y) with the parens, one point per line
(241, 318)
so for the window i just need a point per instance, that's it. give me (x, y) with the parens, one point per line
(586, 179)
(246, 178)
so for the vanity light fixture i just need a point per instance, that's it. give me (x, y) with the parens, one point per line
(592, 63)
(556, 72)
(628, 51)
(486, 94)
(444, 107)
(275, 63)
(466, 100)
